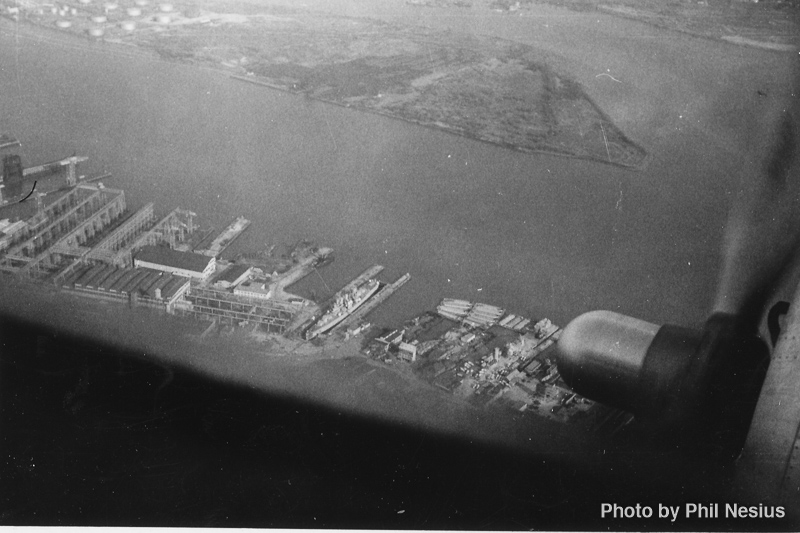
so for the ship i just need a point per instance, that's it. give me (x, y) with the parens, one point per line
(343, 306)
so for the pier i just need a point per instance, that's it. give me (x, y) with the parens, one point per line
(369, 273)
(375, 301)
(302, 269)
(225, 238)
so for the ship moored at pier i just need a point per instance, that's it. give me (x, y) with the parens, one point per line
(345, 303)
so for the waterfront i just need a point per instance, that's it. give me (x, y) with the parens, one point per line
(543, 236)
(547, 235)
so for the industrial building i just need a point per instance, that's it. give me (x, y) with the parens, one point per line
(83, 239)
(186, 264)
(253, 289)
(216, 304)
(233, 276)
(59, 233)
(140, 287)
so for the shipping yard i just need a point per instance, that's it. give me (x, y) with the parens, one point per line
(484, 359)
(82, 239)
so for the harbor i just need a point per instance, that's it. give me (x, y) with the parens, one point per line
(226, 238)
(85, 241)
(383, 293)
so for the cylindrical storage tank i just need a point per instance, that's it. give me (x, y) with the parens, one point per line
(63, 24)
(166, 8)
(133, 12)
(128, 26)
(111, 6)
(99, 19)
(142, 3)
(96, 32)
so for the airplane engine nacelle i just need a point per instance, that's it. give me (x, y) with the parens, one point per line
(702, 383)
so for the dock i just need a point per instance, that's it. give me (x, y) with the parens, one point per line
(375, 301)
(369, 273)
(302, 269)
(105, 176)
(225, 238)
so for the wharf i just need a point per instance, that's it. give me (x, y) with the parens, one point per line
(371, 272)
(225, 238)
(105, 176)
(303, 268)
(375, 301)
(200, 240)
(7, 141)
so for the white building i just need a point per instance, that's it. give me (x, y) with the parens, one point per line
(253, 290)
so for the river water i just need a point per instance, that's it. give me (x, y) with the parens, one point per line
(118, 440)
(536, 234)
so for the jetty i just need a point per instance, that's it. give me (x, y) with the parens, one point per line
(376, 300)
(225, 238)
(303, 268)
(369, 273)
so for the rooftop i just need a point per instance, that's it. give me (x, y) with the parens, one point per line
(161, 255)
(253, 286)
(233, 273)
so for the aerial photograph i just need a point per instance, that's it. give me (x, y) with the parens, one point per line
(400, 264)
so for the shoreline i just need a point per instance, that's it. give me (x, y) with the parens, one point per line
(640, 156)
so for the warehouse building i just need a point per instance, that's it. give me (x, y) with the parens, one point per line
(186, 264)
(233, 276)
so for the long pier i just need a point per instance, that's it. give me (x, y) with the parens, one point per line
(375, 301)
(225, 238)
(302, 269)
(371, 272)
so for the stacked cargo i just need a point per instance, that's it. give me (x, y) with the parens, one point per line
(454, 309)
(475, 315)
(515, 322)
(483, 315)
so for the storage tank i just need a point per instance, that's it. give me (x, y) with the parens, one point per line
(166, 8)
(63, 24)
(134, 12)
(99, 19)
(128, 26)
(96, 32)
